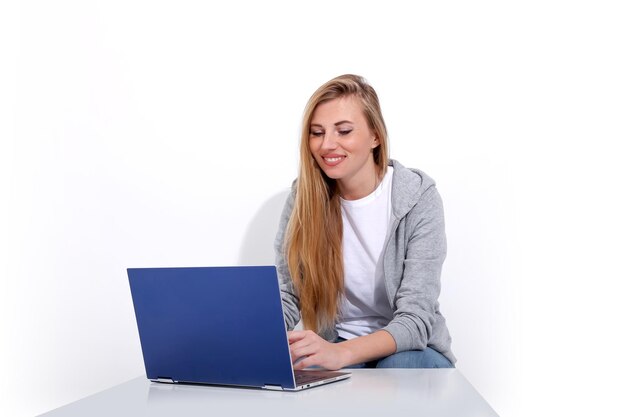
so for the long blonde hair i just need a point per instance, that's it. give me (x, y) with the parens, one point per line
(314, 234)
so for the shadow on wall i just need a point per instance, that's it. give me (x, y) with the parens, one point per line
(257, 247)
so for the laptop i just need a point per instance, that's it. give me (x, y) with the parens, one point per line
(219, 326)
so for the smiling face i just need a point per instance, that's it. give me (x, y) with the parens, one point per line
(341, 142)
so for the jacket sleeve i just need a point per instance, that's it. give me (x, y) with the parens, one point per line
(419, 272)
(289, 297)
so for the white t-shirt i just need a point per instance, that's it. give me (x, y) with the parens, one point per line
(365, 306)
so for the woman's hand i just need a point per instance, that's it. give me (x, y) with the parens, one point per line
(309, 349)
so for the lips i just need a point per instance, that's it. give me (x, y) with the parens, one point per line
(332, 160)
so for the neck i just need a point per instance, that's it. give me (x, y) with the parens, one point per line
(361, 190)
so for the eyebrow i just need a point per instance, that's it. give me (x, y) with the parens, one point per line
(336, 124)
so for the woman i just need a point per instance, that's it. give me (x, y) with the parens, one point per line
(360, 244)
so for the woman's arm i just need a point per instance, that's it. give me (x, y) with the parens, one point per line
(416, 267)
(309, 349)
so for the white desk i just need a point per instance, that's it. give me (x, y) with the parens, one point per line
(370, 392)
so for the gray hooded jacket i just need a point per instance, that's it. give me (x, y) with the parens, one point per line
(411, 261)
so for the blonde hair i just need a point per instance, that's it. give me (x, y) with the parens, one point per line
(314, 233)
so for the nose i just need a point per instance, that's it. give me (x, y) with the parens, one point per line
(329, 142)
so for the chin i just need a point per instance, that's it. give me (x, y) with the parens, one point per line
(332, 175)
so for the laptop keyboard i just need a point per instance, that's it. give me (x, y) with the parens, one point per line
(305, 377)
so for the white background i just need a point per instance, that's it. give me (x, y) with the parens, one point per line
(151, 133)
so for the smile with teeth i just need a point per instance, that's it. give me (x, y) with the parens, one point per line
(334, 159)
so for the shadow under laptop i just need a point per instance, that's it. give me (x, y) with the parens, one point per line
(182, 399)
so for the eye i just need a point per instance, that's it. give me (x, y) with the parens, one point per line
(344, 132)
(317, 133)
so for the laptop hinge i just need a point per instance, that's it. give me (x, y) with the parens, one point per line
(273, 387)
(166, 380)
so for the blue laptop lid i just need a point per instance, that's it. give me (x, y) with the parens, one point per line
(217, 325)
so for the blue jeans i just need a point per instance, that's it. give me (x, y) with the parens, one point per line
(427, 358)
